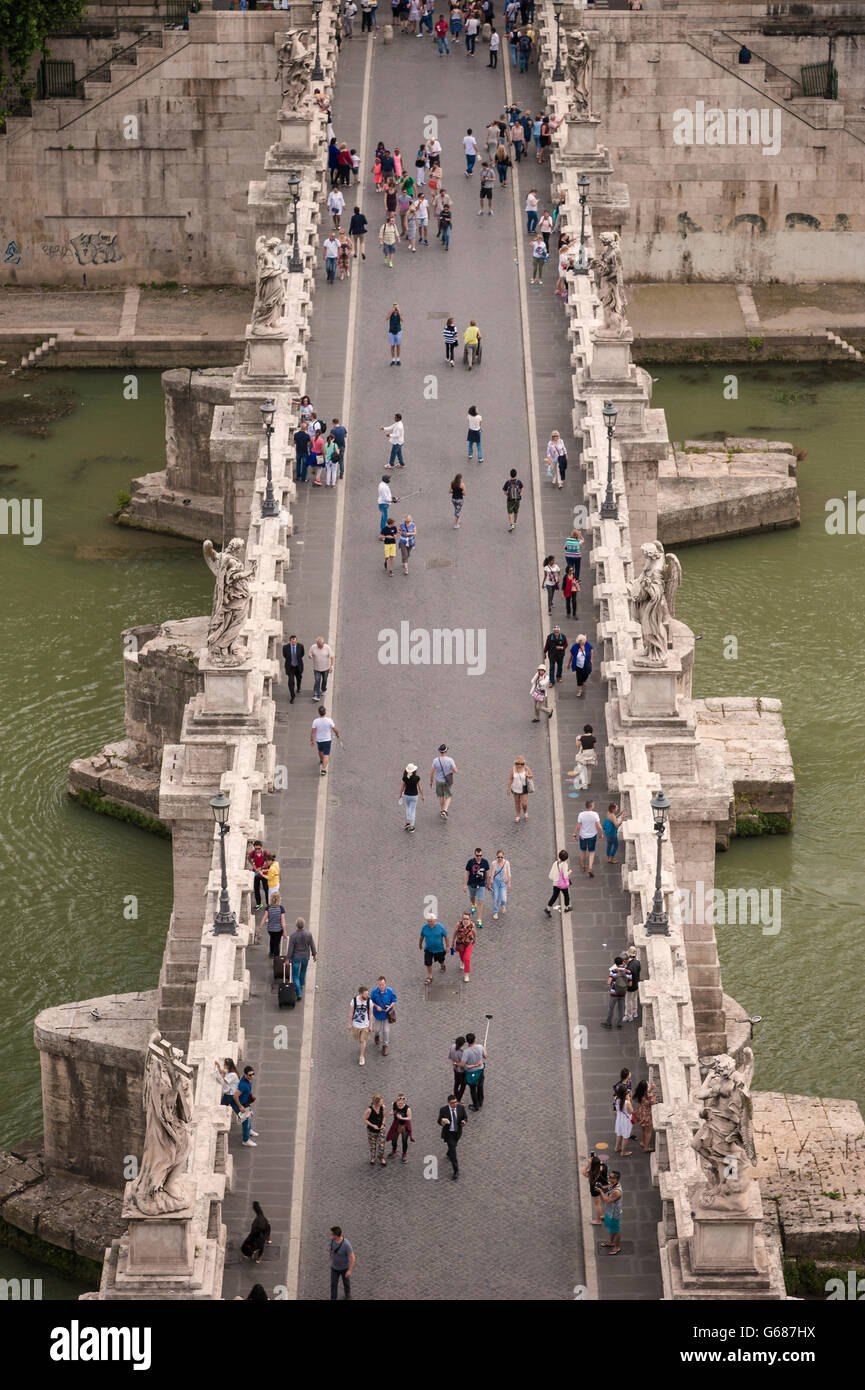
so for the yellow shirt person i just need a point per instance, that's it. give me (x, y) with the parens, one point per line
(272, 876)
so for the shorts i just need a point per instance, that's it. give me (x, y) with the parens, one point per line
(405, 550)
(478, 893)
(326, 746)
(389, 552)
(442, 790)
(487, 193)
(395, 339)
(513, 505)
(360, 1033)
(588, 844)
(430, 956)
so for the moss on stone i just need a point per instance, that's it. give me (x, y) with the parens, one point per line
(749, 822)
(807, 1278)
(66, 1261)
(103, 806)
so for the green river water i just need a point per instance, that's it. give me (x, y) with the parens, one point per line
(790, 597)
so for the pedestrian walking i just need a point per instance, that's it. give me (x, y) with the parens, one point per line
(619, 978)
(610, 826)
(301, 948)
(359, 1021)
(455, 1057)
(408, 795)
(339, 434)
(550, 580)
(441, 33)
(394, 332)
(246, 1100)
(474, 422)
(407, 540)
(452, 1120)
(531, 211)
(517, 140)
(446, 221)
(586, 831)
(456, 22)
(492, 138)
(272, 874)
(570, 589)
(573, 547)
(540, 693)
(642, 1100)
(520, 782)
(389, 537)
(400, 1129)
(442, 773)
(472, 344)
(560, 878)
(613, 1214)
(487, 183)
(458, 496)
(472, 27)
(624, 1112)
(502, 163)
(342, 1258)
(474, 1061)
(464, 940)
(434, 944)
(470, 145)
(321, 656)
(411, 226)
(348, 14)
(293, 653)
(258, 860)
(557, 458)
(396, 438)
(632, 998)
(373, 1119)
(581, 662)
(597, 1174)
(540, 256)
(500, 882)
(330, 251)
(388, 239)
(423, 219)
(357, 231)
(383, 1013)
(450, 335)
(336, 205)
(554, 650)
(331, 462)
(513, 490)
(476, 881)
(259, 1236)
(275, 923)
(385, 498)
(586, 758)
(321, 737)
(495, 45)
(344, 256)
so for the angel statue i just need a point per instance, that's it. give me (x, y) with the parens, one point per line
(724, 1142)
(230, 602)
(271, 283)
(578, 61)
(294, 61)
(610, 283)
(160, 1186)
(654, 596)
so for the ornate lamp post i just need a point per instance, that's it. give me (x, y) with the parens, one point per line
(582, 264)
(317, 75)
(657, 923)
(225, 922)
(558, 73)
(296, 263)
(609, 506)
(270, 506)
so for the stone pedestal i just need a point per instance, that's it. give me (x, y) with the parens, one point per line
(269, 357)
(654, 689)
(227, 689)
(724, 1242)
(581, 135)
(159, 1245)
(295, 134)
(611, 358)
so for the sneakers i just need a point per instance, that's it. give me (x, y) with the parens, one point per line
(384, 1050)
(466, 978)
(361, 1061)
(249, 1144)
(323, 772)
(548, 911)
(495, 916)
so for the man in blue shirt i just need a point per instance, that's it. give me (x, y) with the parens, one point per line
(339, 433)
(244, 1099)
(383, 1000)
(434, 944)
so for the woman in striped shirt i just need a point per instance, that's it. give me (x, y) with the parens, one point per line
(449, 333)
(573, 546)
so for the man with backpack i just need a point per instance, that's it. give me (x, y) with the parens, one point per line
(513, 490)
(524, 49)
(632, 998)
(619, 983)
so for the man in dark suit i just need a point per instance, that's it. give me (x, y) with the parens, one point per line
(452, 1118)
(293, 653)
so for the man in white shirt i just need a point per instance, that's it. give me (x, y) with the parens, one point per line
(385, 497)
(472, 27)
(320, 737)
(586, 831)
(335, 206)
(470, 145)
(396, 437)
(495, 44)
(434, 149)
(321, 658)
(330, 251)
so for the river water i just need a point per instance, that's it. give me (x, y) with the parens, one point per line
(793, 599)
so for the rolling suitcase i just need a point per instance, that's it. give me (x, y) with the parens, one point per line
(287, 992)
(279, 960)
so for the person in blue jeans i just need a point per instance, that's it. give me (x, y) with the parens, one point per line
(300, 947)
(383, 999)
(339, 433)
(245, 1099)
(301, 453)
(525, 49)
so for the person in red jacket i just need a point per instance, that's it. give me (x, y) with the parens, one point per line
(441, 33)
(258, 858)
(570, 589)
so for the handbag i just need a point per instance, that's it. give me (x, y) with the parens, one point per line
(473, 1075)
(530, 784)
(391, 1015)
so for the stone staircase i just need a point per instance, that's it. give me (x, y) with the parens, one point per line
(844, 345)
(32, 359)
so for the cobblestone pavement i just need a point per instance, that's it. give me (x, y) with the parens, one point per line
(511, 1227)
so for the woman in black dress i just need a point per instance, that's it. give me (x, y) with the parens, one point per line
(596, 1172)
(259, 1236)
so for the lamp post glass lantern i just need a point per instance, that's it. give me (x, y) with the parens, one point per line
(270, 506)
(225, 922)
(657, 922)
(295, 264)
(582, 263)
(317, 75)
(609, 506)
(558, 74)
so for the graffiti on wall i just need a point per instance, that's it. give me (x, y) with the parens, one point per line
(95, 248)
(12, 254)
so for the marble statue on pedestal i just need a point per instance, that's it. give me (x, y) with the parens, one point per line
(230, 602)
(610, 282)
(295, 60)
(653, 594)
(578, 61)
(271, 285)
(724, 1143)
(160, 1187)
